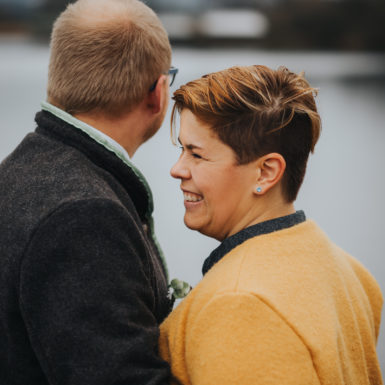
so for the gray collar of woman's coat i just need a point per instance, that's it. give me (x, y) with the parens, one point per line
(249, 232)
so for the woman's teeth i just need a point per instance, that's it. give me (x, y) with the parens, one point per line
(192, 198)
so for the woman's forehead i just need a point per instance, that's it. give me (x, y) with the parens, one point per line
(191, 128)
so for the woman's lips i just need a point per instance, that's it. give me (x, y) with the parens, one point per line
(191, 199)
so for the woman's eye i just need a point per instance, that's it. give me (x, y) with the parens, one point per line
(197, 156)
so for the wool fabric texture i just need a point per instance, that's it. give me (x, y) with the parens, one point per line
(82, 285)
(288, 307)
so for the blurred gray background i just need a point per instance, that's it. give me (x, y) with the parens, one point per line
(339, 44)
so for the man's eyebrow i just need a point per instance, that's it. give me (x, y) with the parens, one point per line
(189, 146)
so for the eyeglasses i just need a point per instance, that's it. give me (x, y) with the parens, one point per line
(171, 72)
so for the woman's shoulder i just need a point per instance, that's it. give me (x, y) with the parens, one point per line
(289, 269)
(266, 258)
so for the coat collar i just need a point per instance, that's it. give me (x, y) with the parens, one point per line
(249, 232)
(107, 157)
(92, 132)
(103, 155)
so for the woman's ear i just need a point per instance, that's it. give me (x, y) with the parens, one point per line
(270, 169)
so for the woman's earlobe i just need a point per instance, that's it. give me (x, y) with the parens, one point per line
(271, 169)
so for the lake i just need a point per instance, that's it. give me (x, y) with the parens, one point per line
(344, 187)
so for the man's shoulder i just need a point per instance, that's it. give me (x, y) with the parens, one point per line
(41, 176)
(42, 167)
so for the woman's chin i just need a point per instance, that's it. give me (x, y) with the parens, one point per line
(193, 224)
(190, 224)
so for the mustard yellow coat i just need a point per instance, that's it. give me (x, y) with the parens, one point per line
(288, 307)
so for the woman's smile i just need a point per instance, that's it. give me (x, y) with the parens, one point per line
(190, 197)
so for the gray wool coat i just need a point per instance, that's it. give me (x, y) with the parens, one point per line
(82, 285)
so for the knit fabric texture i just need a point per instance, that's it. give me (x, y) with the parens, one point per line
(264, 227)
(287, 307)
(82, 285)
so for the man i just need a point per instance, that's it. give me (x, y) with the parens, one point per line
(83, 286)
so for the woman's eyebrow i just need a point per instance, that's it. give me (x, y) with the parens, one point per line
(192, 147)
(189, 146)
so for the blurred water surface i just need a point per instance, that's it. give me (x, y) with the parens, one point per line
(344, 187)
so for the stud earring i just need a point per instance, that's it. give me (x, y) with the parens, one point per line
(259, 189)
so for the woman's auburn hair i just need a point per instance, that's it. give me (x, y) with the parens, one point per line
(105, 55)
(256, 110)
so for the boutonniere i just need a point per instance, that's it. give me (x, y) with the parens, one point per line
(180, 289)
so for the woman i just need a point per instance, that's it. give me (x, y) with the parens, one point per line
(279, 302)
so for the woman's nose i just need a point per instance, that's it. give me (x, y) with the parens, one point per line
(179, 170)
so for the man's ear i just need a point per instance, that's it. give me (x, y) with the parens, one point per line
(157, 97)
(270, 169)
